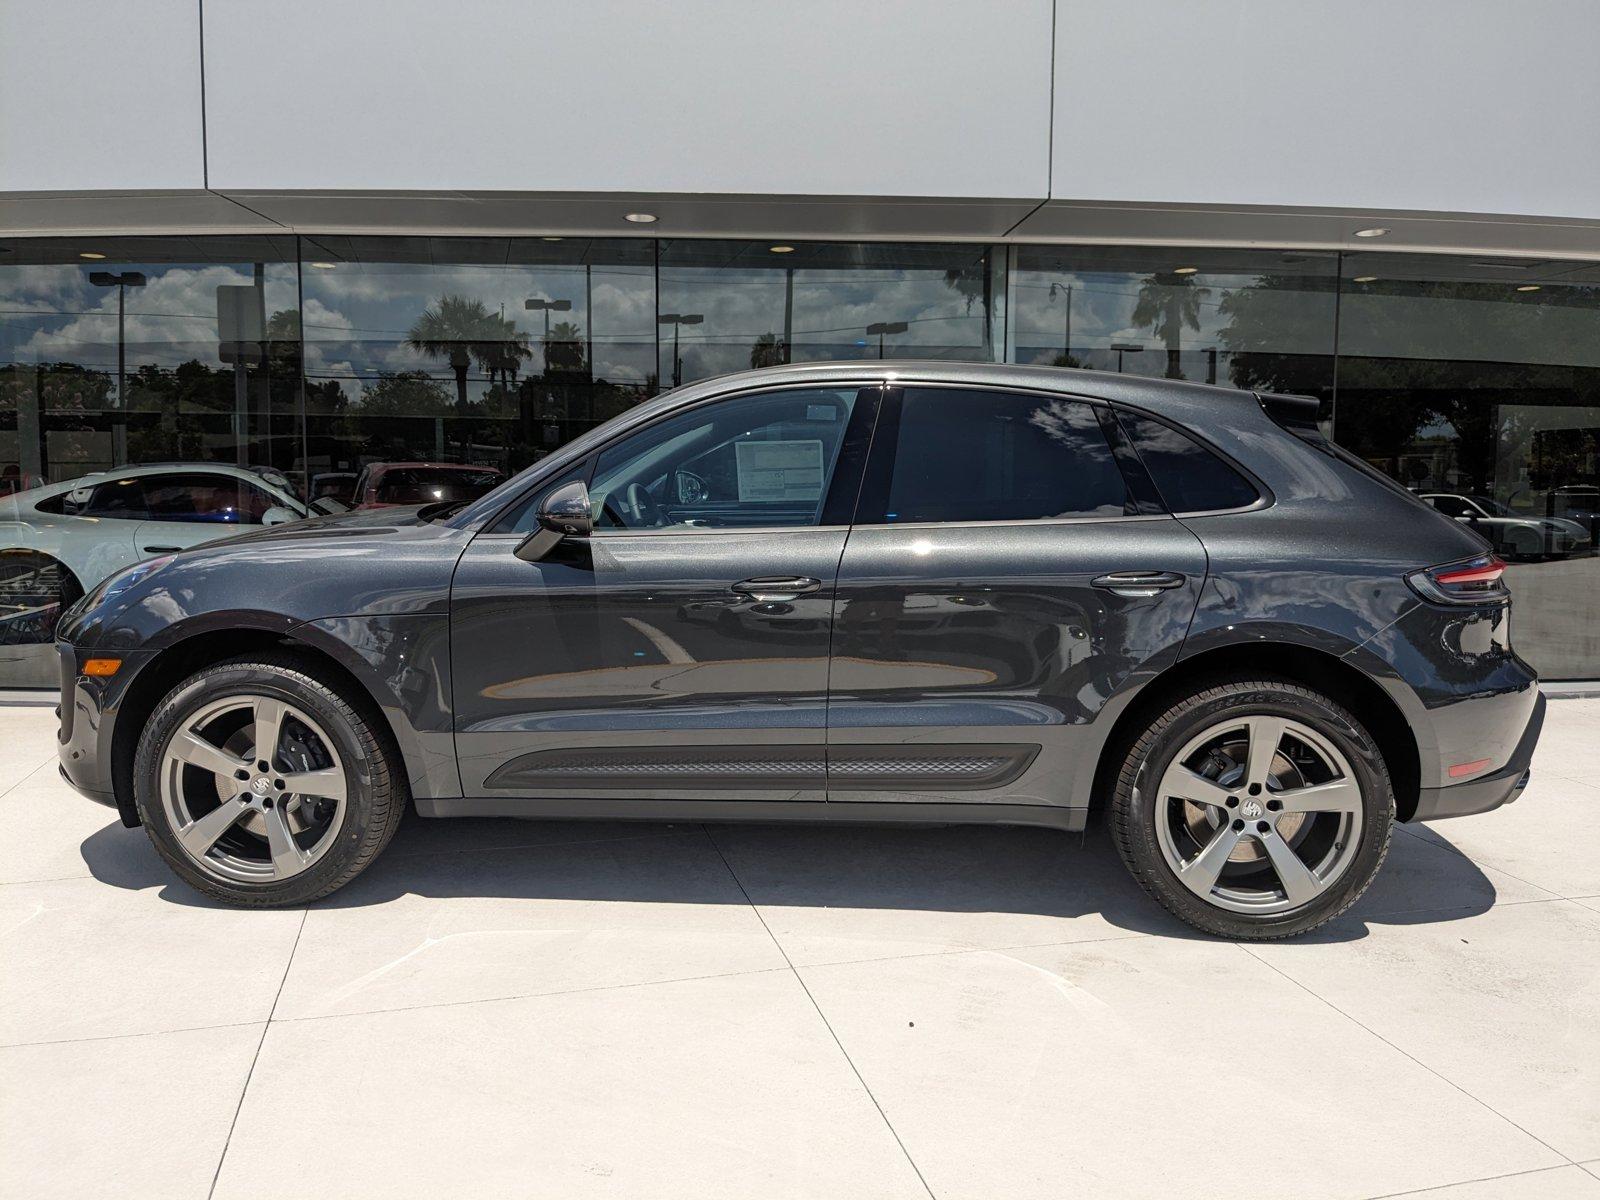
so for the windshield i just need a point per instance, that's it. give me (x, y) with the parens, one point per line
(420, 485)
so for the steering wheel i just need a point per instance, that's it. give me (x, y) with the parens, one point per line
(641, 507)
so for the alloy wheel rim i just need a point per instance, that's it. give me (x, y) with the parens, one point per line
(1259, 814)
(254, 789)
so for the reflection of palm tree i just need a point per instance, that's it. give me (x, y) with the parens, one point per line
(766, 351)
(563, 348)
(462, 331)
(1167, 303)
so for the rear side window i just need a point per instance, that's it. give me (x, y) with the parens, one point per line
(120, 498)
(963, 455)
(1189, 477)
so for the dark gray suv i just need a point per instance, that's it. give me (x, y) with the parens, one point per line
(841, 592)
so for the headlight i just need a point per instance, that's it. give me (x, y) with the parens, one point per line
(115, 585)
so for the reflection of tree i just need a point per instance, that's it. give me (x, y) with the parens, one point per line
(766, 351)
(463, 331)
(973, 284)
(1429, 420)
(1167, 303)
(563, 348)
(404, 394)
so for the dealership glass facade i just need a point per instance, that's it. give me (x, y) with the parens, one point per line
(1475, 382)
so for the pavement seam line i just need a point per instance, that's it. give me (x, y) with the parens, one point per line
(27, 777)
(115, 1037)
(1435, 1073)
(826, 1024)
(256, 1057)
(1439, 1187)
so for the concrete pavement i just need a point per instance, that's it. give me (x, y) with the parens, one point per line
(573, 1010)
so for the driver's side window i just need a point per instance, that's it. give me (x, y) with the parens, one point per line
(763, 460)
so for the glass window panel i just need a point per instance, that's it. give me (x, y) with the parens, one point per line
(1189, 477)
(1246, 318)
(730, 306)
(758, 461)
(488, 351)
(1000, 456)
(1477, 385)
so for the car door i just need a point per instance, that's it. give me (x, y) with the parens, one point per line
(681, 651)
(1008, 571)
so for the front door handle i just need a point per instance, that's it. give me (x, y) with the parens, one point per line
(162, 549)
(1139, 584)
(777, 588)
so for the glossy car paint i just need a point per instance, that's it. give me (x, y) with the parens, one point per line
(578, 651)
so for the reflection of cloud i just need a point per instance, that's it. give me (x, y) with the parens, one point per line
(171, 320)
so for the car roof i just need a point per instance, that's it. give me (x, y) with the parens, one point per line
(147, 469)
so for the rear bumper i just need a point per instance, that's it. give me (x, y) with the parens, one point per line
(1490, 792)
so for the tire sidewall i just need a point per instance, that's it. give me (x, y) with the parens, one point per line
(1298, 704)
(242, 680)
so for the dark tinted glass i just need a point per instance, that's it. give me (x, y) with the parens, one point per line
(1189, 477)
(998, 456)
(422, 486)
(206, 498)
(120, 498)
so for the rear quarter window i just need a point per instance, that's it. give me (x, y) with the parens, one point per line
(1190, 477)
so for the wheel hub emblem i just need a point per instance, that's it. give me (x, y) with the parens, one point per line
(259, 785)
(1251, 810)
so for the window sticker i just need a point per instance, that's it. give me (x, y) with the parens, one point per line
(789, 470)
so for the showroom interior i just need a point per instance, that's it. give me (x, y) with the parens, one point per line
(1462, 377)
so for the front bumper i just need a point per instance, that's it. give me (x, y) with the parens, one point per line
(1490, 792)
(87, 712)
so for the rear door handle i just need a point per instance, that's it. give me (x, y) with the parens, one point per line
(774, 588)
(1139, 583)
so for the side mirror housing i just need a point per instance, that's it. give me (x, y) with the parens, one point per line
(563, 513)
(279, 515)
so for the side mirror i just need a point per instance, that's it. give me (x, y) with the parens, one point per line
(279, 515)
(563, 513)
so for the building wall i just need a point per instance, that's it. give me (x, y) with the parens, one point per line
(1225, 121)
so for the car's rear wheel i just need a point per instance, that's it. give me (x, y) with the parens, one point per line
(1254, 809)
(262, 784)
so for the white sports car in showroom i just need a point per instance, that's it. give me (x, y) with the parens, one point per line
(58, 541)
(1513, 534)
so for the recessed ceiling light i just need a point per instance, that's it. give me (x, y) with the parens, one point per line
(1185, 270)
(1529, 287)
(550, 239)
(1374, 232)
(781, 249)
(640, 218)
(324, 266)
(90, 254)
(1366, 279)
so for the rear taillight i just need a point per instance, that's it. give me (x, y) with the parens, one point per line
(1475, 581)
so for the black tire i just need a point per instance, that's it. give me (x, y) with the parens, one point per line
(376, 797)
(1135, 809)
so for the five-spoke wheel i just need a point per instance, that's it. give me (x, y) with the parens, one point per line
(267, 781)
(253, 787)
(1256, 808)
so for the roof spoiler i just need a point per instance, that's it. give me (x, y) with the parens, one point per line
(1292, 412)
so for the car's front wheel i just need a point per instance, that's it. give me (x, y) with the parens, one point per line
(262, 784)
(1254, 809)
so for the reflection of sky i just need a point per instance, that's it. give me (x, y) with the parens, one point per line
(357, 314)
(1103, 303)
